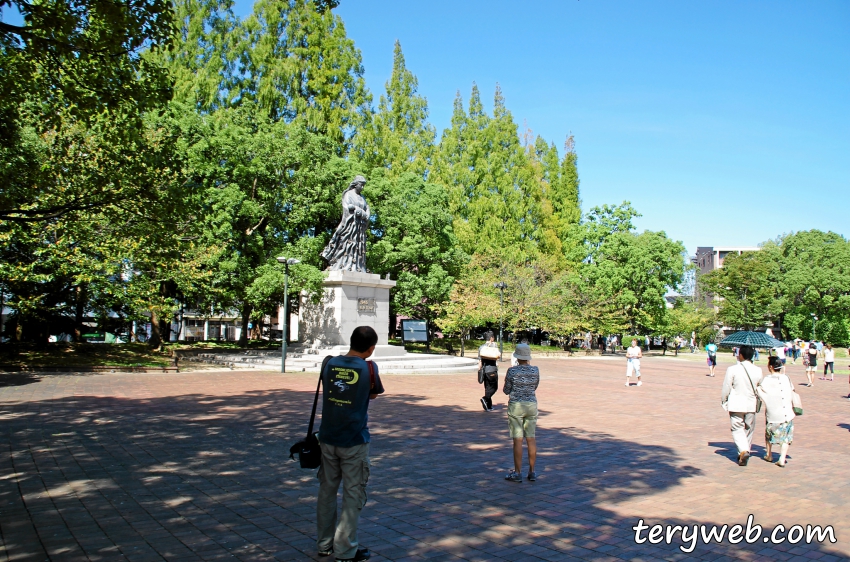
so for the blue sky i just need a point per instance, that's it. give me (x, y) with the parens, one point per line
(725, 123)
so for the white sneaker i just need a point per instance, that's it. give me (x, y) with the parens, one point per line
(639, 383)
(630, 384)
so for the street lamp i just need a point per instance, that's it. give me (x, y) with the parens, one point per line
(501, 286)
(286, 263)
(814, 319)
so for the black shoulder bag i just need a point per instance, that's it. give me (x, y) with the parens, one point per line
(308, 450)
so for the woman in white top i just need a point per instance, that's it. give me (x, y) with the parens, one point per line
(633, 355)
(775, 391)
(828, 362)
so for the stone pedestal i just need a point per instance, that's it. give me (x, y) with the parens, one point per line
(349, 299)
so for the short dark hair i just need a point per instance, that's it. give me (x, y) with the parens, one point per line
(362, 338)
(747, 352)
(489, 335)
(774, 363)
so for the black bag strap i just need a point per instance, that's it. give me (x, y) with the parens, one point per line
(316, 399)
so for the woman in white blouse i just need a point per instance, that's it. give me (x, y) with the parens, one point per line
(775, 391)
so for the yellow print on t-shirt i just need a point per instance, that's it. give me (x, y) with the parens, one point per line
(348, 376)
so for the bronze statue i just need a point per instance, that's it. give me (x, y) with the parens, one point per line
(347, 248)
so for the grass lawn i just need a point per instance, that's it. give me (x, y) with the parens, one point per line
(83, 355)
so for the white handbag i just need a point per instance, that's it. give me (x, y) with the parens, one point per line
(488, 352)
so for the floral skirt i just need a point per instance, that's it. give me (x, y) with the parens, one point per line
(779, 433)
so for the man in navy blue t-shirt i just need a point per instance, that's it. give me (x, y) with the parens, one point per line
(349, 382)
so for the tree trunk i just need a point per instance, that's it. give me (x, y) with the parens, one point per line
(462, 342)
(247, 309)
(81, 299)
(155, 340)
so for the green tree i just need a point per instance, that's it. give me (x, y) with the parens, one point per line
(639, 269)
(746, 285)
(268, 188)
(495, 193)
(814, 279)
(399, 137)
(297, 63)
(473, 302)
(687, 317)
(81, 258)
(203, 63)
(75, 65)
(413, 241)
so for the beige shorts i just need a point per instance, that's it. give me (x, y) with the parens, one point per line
(522, 419)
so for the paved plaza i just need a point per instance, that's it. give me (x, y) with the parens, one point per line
(194, 466)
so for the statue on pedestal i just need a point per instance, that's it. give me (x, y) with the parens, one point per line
(347, 248)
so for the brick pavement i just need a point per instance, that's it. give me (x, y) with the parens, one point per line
(194, 467)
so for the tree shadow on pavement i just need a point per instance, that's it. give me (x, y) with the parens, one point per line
(207, 477)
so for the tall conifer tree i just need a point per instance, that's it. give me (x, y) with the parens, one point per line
(399, 137)
(299, 64)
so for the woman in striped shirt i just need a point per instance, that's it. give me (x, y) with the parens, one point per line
(520, 383)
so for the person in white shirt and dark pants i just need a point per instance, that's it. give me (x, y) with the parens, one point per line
(828, 362)
(739, 399)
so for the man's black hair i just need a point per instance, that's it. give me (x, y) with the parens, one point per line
(362, 338)
(747, 352)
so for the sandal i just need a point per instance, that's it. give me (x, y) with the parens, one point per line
(768, 458)
(780, 465)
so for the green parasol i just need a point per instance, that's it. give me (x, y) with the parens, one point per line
(753, 339)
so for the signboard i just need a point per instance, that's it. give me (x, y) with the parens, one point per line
(413, 331)
(367, 305)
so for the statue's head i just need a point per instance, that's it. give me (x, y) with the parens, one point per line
(357, 183)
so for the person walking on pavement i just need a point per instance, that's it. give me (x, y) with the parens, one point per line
(812, 364)
(349, 383)
(633, 356)
(711, 350)
(775, 390)
(780, 354)
(829, 362)
(490, 373)
(738, 397)
(520, 383)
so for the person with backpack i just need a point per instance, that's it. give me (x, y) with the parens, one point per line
(811, 355)
(711, 350)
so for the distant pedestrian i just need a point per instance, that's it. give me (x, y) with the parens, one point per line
(829, 362)
(775, 391)
(812, 364)
(738, 397)
(646, 338)
(633, 356)
(693, 344)
(490, 375)
(780, 354)
(711, 351)
(520, 385)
